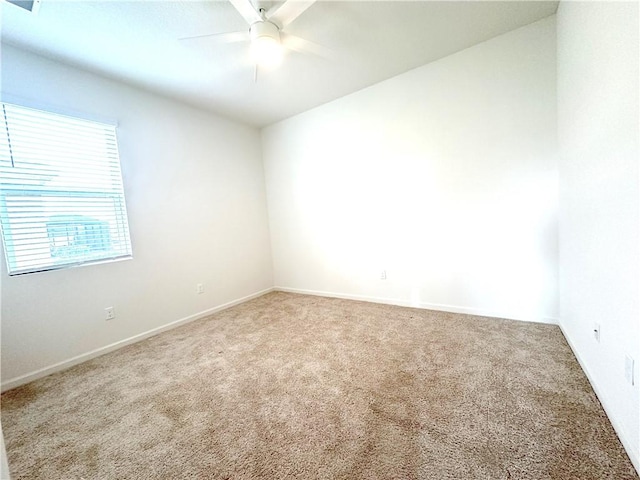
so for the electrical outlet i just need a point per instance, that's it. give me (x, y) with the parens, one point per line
(199, 288)
(629, 367)
(109, 313)
(383, 275)
(596, 332)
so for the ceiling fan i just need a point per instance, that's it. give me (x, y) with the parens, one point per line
(266, 32)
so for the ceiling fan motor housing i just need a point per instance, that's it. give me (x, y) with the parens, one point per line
(264, 29)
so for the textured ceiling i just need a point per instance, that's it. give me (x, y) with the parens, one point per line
(138, 42)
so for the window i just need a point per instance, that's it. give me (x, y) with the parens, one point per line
(61, 195)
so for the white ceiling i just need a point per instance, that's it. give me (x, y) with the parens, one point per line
(137, 42)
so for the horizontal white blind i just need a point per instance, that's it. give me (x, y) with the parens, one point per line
(61, 194)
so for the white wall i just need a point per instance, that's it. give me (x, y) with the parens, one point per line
(195, 194)
(444, 176)
(600, 197)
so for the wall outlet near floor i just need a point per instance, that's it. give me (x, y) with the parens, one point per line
(109, 313)
(596, 332)
(629, 367)
(383, 275)
(199, 288)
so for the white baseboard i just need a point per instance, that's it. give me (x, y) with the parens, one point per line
(423, 305)
(620, 431)
(43, 372)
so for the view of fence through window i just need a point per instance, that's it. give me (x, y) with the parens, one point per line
(61, 194)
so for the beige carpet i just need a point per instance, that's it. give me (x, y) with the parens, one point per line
(293, 386)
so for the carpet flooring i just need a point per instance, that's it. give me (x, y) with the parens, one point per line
(295, 386)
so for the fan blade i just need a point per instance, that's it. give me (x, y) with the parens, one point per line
(289, 11)
(301, 45)
(230, 37)
(246, 9)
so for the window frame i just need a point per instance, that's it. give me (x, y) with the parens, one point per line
(112, 195)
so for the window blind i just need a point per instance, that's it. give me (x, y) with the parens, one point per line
(61, 193)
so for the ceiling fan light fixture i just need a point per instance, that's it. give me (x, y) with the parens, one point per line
(266, 49)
